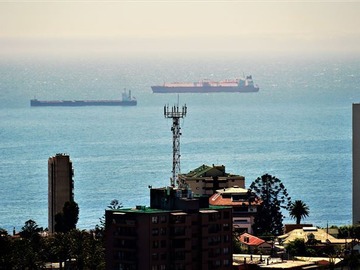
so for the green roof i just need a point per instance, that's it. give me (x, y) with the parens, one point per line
(199, 171)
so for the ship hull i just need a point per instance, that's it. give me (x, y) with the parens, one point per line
(204, 89)
(81, 103)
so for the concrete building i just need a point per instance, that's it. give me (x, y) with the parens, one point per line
(356, 163)
(205, 180)
(60, 186)
(177, 231)
(244, 206)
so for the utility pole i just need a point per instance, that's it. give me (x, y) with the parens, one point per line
(175, 114)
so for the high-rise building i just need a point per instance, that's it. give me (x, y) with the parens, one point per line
(60, 186)
(177, 231)
(356, 163)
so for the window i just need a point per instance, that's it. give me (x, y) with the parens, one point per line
(178, 219)
(155, 256)
(178, 231)
(162, 231)
(162, 219)
(155, 244)
(214, 216)
(154, 219)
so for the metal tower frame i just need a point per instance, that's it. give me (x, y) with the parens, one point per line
(175, 114)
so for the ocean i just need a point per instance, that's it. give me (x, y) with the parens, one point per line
(298, 127)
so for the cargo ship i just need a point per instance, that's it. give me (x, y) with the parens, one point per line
(244, 85)
(127, 100)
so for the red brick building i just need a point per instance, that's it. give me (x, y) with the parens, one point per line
(177, 232)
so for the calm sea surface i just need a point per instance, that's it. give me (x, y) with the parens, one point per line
(297, 128)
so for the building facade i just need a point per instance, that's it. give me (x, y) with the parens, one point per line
(60, 186)
(177, 231)
(205, 180)
(356, 163)
(244, 206)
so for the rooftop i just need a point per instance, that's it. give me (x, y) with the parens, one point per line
(307, 233)
(148, 210)
(209, 171)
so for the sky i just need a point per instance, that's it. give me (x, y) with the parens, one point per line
(179, 26)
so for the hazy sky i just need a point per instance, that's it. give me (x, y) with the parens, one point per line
(129, 26)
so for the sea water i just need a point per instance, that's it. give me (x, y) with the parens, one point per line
(298, 127)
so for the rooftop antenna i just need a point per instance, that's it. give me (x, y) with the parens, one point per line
(174, 113)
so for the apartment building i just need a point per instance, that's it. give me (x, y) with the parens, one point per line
(205, 180)
(177, 231)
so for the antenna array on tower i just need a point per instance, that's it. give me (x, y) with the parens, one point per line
(174, 113)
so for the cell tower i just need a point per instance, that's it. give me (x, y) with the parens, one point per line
(175, 114)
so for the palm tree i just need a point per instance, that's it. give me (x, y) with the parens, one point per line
(298, 210)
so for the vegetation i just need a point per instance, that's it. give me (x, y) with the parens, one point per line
(298, 210)
(351, 232)
(68, 218)
(32, 250)
(100, 228)
(274, 195)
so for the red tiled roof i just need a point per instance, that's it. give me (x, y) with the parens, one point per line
(250, 240)
(217, 199)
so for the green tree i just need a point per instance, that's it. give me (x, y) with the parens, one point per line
(27, 251)
(296, 247)
(114, 204)
(58, 246)
(30, 230)
(298, 210)
(99, 228)
(86, 250)
(5, 249)
(274, 197)
(68, 218)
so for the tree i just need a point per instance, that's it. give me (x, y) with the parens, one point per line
(26, 252)
(66, 220)
(298, 210)
(57, 248)
(30, 229)
(71, 215)
(114, 204)
(274, 197)
(297, 247)
(99, 228)
(5, 249)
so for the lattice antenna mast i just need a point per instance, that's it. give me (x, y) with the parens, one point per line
(175, 114)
